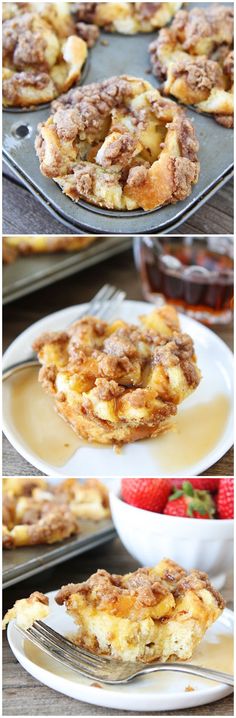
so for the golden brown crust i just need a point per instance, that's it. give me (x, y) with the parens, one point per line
(194, 58)
(39, 523)
(144, 585)
(104, 588)
(38, 596)
(225, 121)
(120, 145)
(39, 61)
(119, 382)
(197, 581)
(59, 338)
(88, 33)
(212, 26)
(88, 500)
(228, 65)
(200, 74)
(56, 15)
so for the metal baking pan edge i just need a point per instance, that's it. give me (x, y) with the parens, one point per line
(63, 553)
(165, 228)
(117, 245)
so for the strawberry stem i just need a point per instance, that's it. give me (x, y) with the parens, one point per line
(197, 500)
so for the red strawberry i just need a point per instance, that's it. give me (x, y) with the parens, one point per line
(190, 503)
(202, 484)
(225, 499)
(149, 494)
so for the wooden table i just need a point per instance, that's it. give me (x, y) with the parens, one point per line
(78, 288)
(23, 695)
(23, 214)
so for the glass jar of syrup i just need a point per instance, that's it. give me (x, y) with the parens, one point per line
(193, 273)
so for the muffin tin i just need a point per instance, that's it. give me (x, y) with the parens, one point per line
(116, 55)
(21, 563)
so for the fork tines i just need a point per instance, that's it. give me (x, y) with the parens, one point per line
(107, 300)
(66, 652)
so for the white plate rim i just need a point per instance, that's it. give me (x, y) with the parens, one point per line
(114, 698)
(202, 465)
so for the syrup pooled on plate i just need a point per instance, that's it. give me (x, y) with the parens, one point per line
(195, 433)
(36, 421)
(217, 654)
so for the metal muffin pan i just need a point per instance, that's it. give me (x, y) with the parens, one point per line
(46, 105)
(27, 274)
(121, 55)
(18, 564)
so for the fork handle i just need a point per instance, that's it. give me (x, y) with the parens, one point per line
(97, 307)
(209, 673)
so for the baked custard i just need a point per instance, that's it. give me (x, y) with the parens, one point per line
(117, 383)
(159, 613)
(120, 145)
(194, 58)
(42, 54)
(37, 512)
(39, 244)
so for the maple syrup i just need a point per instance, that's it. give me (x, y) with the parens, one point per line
(194, 274)
(194, 433)
(34, 417)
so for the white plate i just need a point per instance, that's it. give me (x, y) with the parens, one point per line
(138, 459)
(152, 692)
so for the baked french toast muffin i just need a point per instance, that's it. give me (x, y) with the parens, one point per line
(154, 613)
(42, 54)
(120, 145)
(36, 512)
(159, 613)
(27, 610)
(40, 244)
(194, 59)
(117, 383)
(127, 18)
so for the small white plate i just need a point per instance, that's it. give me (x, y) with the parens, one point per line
(140, 458)
(162, 691)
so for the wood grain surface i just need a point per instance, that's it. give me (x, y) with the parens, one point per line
(22, 213)
(23, 695)
(20, 314)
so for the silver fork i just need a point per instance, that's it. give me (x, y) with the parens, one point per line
(104, 304)
(101, 668)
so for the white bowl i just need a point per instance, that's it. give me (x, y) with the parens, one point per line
(204, 544)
